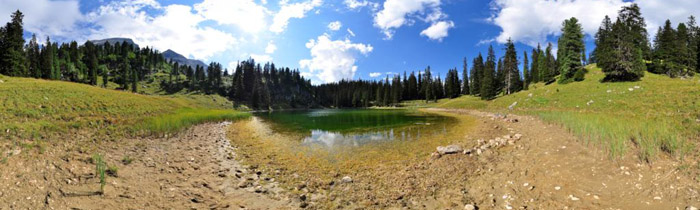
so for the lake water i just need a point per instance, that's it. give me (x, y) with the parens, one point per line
(342, 128)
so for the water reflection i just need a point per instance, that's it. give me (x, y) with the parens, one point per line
(331, 139)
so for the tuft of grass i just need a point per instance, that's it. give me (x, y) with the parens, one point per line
(657, 115)
(100, 169)
(112, 171)
(126, 160)
(182, 118)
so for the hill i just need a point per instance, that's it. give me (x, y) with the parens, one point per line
(653, 116)
(113, 41)
(38, 109)
(170, 55)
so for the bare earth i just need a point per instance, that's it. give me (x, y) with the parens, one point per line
(548, 168)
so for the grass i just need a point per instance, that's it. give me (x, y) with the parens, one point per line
(35, 109)
(183, 118)
(657, 115)
(100, 169)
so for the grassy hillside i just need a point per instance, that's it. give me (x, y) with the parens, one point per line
(36, 109)
(656, 114)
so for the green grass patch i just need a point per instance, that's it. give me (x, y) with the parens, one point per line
(186, 117)
(657, 115)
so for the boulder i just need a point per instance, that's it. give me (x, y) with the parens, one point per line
(450, 149)
(691, 208)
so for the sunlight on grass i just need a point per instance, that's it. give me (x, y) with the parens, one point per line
(182, 118)
(649, 117)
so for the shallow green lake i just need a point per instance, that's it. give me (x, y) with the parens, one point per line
(333, 128)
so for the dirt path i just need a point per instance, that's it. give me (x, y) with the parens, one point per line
(193, 170)
(549, 169)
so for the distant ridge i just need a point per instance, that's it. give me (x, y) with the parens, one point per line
(182, 60)
(113, 41)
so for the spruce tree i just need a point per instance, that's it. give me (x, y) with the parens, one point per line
(465, 78)
(510, 69)
(427, 85)
(571, 49)
(628, 64)
(534, 69)
(34, 58)
(13, 61)
(632, 18)
(477, 74)
(487, 89)
(526, 72)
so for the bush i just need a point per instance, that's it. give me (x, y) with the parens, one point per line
(580, 75)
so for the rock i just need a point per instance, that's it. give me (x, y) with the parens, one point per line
(609, 91)
(260, 189)
(529, 95)
(589, 103)
(469, 207)
(478, 151)
(346, 179)
(517, 136)
(657, 198)
(637, 87)
(451, 149)
(243, 184)
(512, 105)
(303, 205)
(557, 188)
(630, 89)
(574, 198)
(691, 208)
(302, 197)
(435, 156)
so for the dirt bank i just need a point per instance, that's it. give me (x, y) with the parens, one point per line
(192, 170)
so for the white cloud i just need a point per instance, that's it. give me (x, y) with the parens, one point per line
(531, 21)
(397, 13)
(375, 74)
(335, 25)
(355, 4)
(438, 30)
(271, 47)
(352, 34)
(333, 60)
(44, 17)
(177, 28)
(246, 14)
(261, 58)
(656, 12)
(288, 11)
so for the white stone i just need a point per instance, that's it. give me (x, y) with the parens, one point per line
(469, 207)
(449, 149)
(574, 198)
(347, 179)
(557, 188)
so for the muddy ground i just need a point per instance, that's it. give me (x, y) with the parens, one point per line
(547, 168)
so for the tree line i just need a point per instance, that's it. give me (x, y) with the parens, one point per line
(623, 51)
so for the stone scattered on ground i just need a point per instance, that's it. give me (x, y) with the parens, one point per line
(450, 149)
(347, 179)
(469, 207)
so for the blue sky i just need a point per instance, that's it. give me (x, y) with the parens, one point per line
(329, 40)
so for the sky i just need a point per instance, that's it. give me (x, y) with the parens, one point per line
(331, 40)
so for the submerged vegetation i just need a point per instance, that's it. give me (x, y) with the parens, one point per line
(186, 117)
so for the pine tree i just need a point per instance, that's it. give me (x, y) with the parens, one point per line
(534, 69)
(412, 87)
(499, 80)
(542, 67)
(477, 74)
(571, 50)
(526, 72)
(13, 61)
(628, 64)
(603, 42)
(632, 18)
(47, 60)
(34, 58)
(488, 91)
(465, 78)
(510, 69)
(551, 71)
(693, 44)
(427, 85)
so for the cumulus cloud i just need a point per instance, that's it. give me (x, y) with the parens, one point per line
(656, 12)
(289, 11)
(355, 4)
(375, 74)
(261, 58)
(438, 30)
(335, 25)
(271, 47)
(531, 21)
(333, 60)
(246, 14)
(177, 28)
(397, 13)
(44, 17)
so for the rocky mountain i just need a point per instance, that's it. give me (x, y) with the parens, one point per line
(113, 41)
(182, 60)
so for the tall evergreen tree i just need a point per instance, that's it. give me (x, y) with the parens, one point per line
(34, 58)
(427, 85)
(488, 91)
(510, 69)
(465, 78)
(631, 17)
(526, 72)
(628, 63)
(477, 74)
(534, 69)
(13, 61)
(571, 50)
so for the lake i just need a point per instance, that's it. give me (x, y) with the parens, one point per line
(335, 128)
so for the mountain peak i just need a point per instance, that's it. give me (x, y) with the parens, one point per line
(171, 55)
